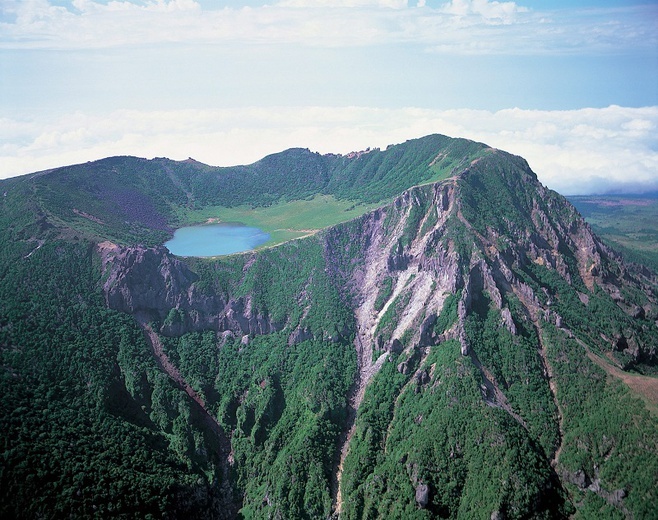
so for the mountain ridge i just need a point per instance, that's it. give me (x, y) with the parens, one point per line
(139, 200)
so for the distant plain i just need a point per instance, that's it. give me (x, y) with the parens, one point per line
(628, 223)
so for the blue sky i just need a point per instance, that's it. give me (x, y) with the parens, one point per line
(571, 86)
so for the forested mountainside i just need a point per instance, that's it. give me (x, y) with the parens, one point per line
(469, 349)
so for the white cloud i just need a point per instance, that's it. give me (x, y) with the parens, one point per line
(124, 5)
(501, 12)
(391, 4)
(457, 26)
(577, 151)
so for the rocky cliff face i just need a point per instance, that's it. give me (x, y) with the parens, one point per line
(403, 260)
(152, 283)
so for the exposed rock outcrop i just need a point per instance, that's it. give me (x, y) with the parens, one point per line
(152, 282)
(422, 495)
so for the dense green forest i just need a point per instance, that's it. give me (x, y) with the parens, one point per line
(88, 421)
(459, 346)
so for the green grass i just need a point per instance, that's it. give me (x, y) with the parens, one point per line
(445, 167)
(287, 220)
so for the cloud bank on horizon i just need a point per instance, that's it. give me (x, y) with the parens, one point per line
(227, 82)
(584, 151)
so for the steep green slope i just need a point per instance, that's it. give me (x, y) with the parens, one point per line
(81, 395)
(427, 445)
(526, 424)
(467, 350)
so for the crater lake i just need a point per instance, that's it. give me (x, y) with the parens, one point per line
(215, 239)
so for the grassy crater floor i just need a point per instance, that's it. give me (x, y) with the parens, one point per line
(285, 220)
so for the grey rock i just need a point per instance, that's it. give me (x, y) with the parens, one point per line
(617, 496)
(422, 495)
(396, 346)
(580, 479)
(299, 335)
(508, 321)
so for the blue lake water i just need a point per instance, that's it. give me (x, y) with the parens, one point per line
(215, 240)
